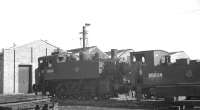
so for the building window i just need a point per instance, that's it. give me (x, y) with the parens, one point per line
(143, 60)
(134, 59)
(41, 61)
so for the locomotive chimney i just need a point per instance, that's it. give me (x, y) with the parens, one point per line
(113, 53)
(83, 56)
(131, 57)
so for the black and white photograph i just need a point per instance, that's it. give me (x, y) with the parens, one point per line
(100, 55)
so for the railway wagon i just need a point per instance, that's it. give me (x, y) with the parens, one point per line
(167, 80)
(64, 75)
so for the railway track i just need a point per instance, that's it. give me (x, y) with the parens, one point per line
(133, 104)
(26, 102)
(39, 102)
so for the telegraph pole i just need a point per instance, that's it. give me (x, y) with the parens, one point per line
(14, 78)
(84, 33)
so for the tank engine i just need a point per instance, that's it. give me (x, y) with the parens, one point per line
(166, 80)
(65, 75)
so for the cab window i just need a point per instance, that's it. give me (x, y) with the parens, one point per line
(61, 59)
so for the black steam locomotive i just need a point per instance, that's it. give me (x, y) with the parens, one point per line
(86, 76)
(165, 79)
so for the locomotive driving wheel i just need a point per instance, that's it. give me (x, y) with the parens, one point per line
(60, 90)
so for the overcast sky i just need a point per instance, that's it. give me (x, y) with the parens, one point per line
(171, 25)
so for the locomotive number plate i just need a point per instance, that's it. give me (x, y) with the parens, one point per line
(50, 70)
(155, 75)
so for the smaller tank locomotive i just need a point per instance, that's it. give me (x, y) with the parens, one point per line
(85, 76)
(166, 79)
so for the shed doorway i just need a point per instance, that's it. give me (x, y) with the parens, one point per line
(25, 79)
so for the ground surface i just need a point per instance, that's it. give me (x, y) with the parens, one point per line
(99, 105)
(114, 105)
(93, 108)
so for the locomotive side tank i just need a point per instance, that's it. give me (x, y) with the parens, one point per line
(59, 68)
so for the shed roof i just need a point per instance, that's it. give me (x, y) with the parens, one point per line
(77, 50)
(171, 53)
(91, 50)
(36, 41)
(153, 51)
